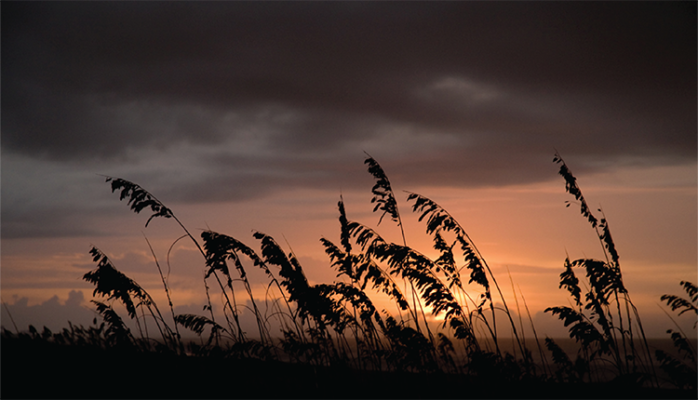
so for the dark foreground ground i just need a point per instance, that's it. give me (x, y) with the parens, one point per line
(45, 370)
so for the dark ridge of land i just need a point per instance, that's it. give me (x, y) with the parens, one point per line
(37, 369)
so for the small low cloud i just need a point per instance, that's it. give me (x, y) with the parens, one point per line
(52, 313)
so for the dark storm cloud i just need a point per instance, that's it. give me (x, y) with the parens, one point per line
(447, 93)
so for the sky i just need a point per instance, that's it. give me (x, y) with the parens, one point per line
(257, 116)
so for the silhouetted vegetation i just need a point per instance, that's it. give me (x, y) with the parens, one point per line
(326, 329)
(605, 321)
(682, 370)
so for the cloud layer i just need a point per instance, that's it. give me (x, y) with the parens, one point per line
(232, 101)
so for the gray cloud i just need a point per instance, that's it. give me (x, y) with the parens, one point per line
(230, 101)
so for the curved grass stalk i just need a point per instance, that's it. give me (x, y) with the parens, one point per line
(140, 199)
(113, 284)
(178, 337)
(237, 246)
(546, 368)
(220, 248)
(418, 269)
(440, 219)
(384, 198)
(607, 281)
(370, 240)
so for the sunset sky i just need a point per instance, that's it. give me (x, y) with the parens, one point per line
(245, 117)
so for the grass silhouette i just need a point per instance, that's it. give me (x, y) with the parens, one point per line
(329, 333)
(603, 322)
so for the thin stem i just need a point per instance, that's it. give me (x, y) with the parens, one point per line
(10, 314)
(546, 368)
(167, 289)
